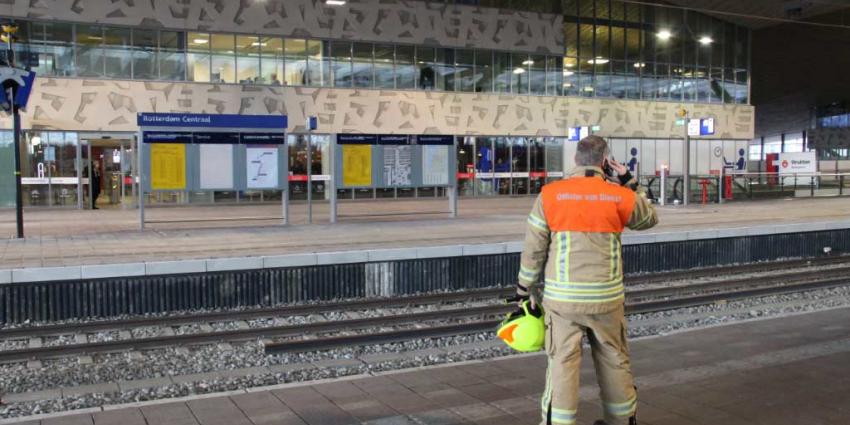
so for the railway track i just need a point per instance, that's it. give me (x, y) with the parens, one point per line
(320, 308)
(460, 320)
(318, 344)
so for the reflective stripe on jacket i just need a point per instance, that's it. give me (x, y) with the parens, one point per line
(573, 243)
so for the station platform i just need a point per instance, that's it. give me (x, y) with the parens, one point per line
(58, 238)
(789, 370)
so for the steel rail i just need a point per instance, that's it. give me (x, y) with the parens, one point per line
(319, 308)
(305, 345)
(698, 297)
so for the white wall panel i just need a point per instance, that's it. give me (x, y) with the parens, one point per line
(648, 154)
(676, 148)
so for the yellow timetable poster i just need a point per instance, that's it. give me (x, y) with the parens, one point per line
(168, 166)
(356, 165)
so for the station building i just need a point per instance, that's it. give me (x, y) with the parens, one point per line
(509, 80)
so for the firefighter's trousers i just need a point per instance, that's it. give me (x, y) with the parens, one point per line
(607, 336)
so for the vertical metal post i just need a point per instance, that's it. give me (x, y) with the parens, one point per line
(721, 182)
(331, 185)
(309, 175)
(663, 190)
(78, 164)
(16, 128)
(284, 191)
(121, 178)
(686, 165)
(141, 173)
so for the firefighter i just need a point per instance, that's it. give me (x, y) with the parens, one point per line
(573, 245)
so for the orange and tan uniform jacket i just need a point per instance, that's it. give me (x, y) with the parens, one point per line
(572, 241)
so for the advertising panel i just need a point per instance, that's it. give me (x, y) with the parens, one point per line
(168, 166)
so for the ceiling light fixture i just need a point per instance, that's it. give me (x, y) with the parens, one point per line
(519, 70)
(568, 73)
(335, 2)
(706, 40)
(664, 35)
(599, 60)
(639, 65)
(528, 62)
(200, 41)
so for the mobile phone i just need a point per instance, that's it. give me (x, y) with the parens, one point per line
(606, 167)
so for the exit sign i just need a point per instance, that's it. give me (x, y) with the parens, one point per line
(680, 122)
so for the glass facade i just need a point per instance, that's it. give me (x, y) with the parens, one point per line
(612, 49)
(488, 166)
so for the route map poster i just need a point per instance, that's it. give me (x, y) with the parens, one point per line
(168, 166)
(262, 168)
(398, 162)
(435, 165)
(216, 163)
(356, 165)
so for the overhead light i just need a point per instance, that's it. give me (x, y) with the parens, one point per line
(200, 41)
(528, 62)
(588, 88)
(519, 70)
(335, 2)
(639, 65)
(569, 65)
(664, 35)
(599, 60)
(258, 44)
(568, 85)
(705, 40)
(95, 37)
(568, 73)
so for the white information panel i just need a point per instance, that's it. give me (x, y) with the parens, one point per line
(262, 168)
(216, 166)
(398, 165)
(435, 165)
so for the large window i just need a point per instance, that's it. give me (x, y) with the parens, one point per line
(613, 49)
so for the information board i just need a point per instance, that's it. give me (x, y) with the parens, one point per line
(168, 166)
(262, 172)
(398, 165)
(356, 165)
(435, 162)
(216, 163)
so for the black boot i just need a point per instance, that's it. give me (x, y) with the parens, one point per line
(632, 421)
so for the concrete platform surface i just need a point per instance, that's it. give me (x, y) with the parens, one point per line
(786, 371)
(73, 237)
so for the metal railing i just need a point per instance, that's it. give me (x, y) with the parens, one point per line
(747, 186)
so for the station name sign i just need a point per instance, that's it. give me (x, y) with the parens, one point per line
(145, 119)
(394, 139)
(222, 138)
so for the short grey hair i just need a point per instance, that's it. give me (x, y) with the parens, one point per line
(591, 150)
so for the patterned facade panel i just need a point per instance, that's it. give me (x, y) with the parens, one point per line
(404, 21)
(102, 105)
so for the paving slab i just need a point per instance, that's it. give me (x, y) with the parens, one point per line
(119, 417)
(791, 370)
(59, 238)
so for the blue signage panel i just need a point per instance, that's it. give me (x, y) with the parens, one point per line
(166, 137)
(211, 120)
(706, 127)
(393, 139)
(216, 138)
(357, 139)
(573, 134)
(435, 139)
(263, 139)
(23, 94)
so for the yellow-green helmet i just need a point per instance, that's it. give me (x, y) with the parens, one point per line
(522, 330)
